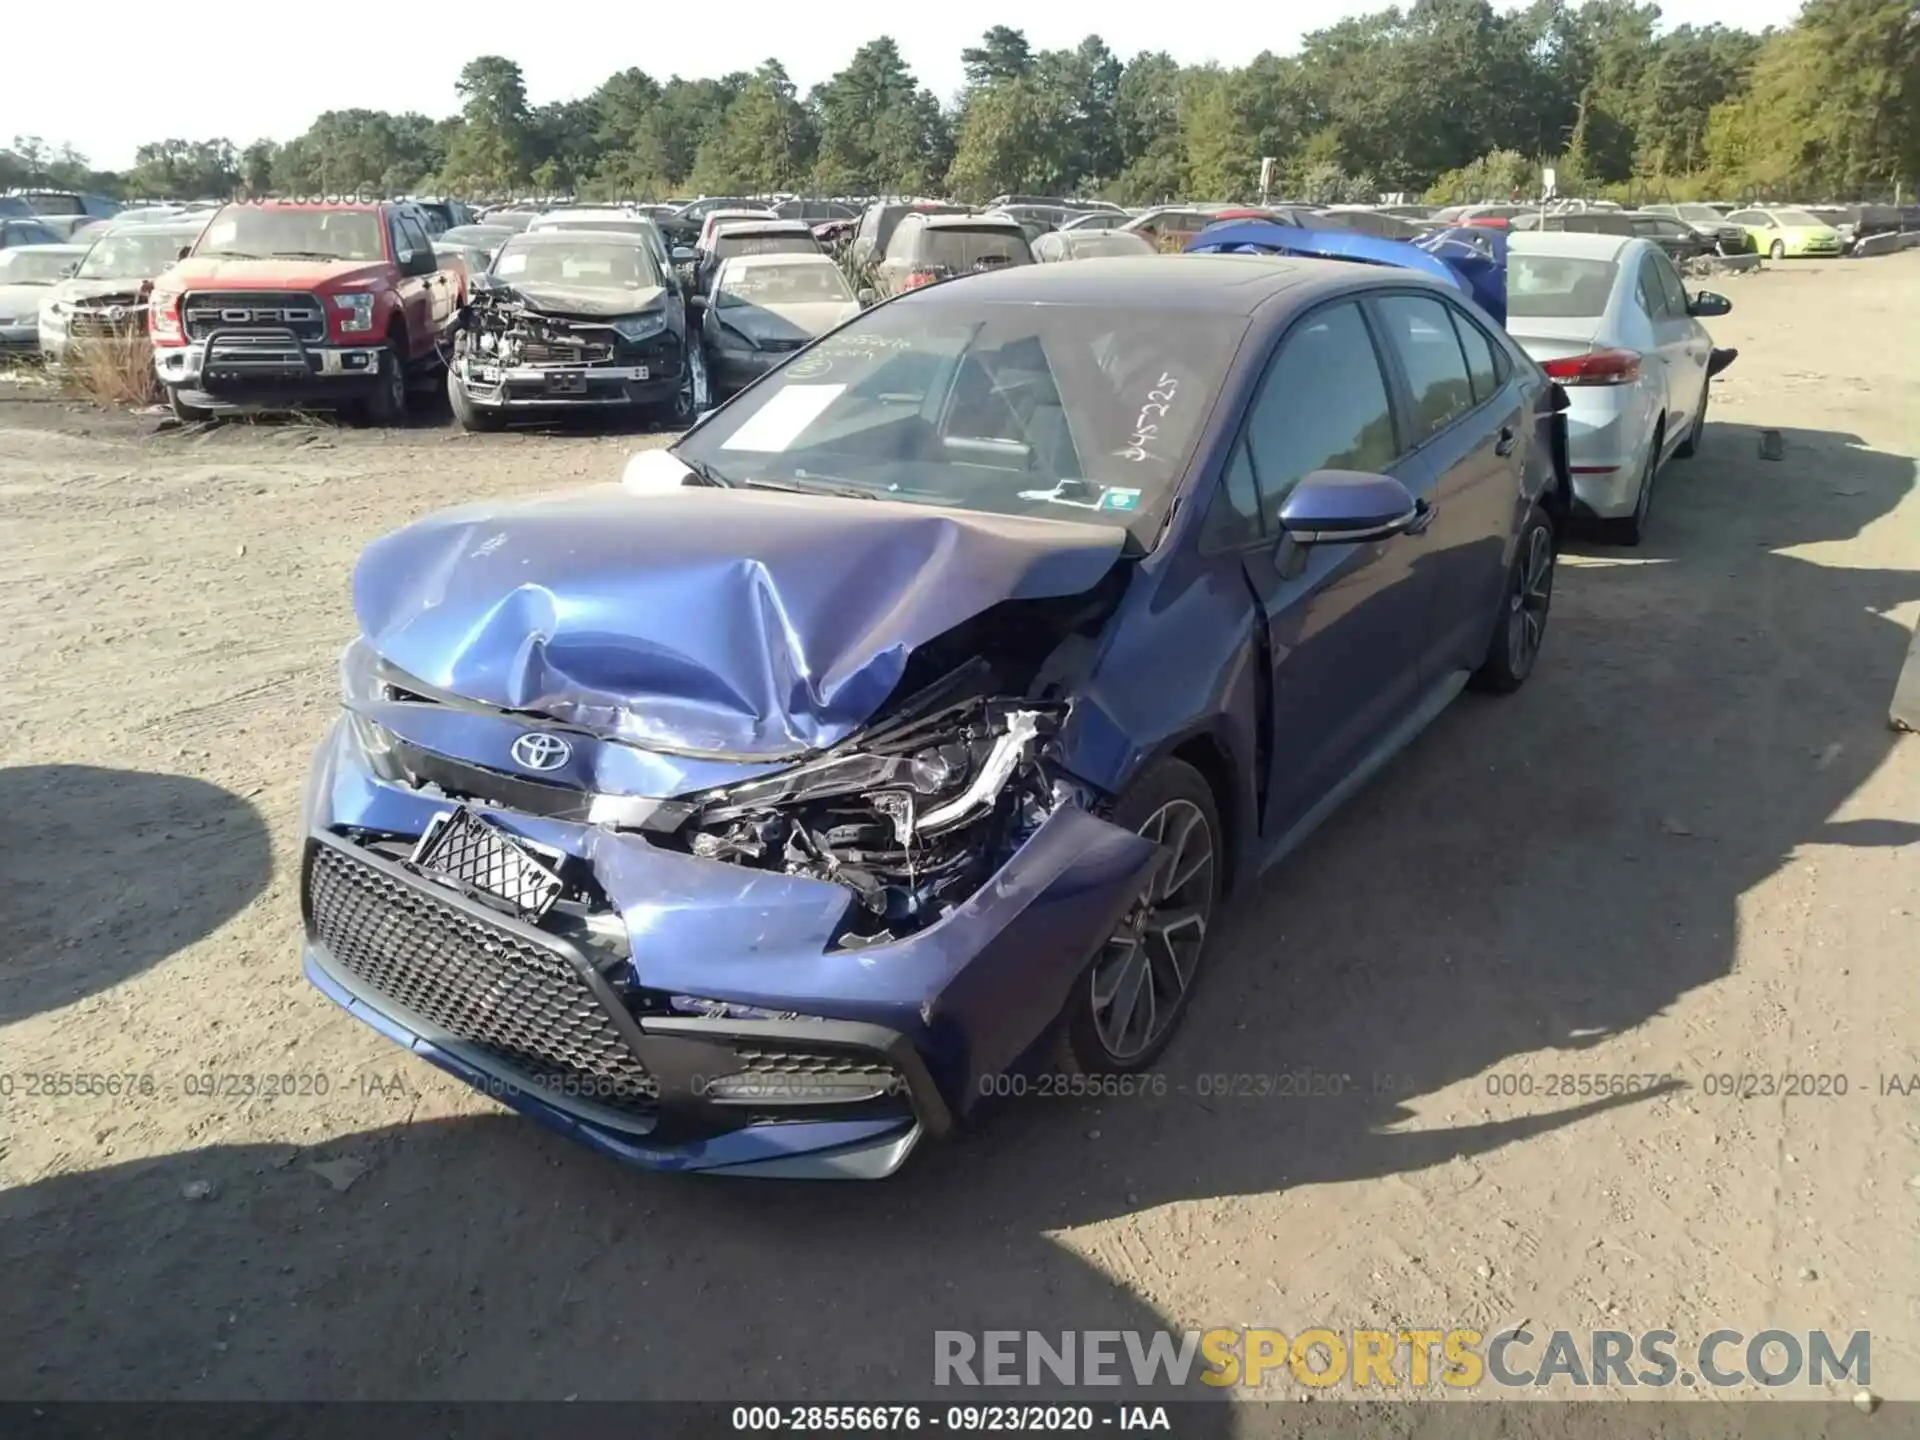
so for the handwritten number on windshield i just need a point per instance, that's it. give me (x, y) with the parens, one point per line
(1147, 427)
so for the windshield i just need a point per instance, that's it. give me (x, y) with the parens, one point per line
(1557, 287)
(1701, 214)
(1071, 411)
(583, 265)
(133, 255)
(52, 202)
(249, 232)
(782, 285)
(957, 251)
(612, 224)
(1797, 217)
(26, 266)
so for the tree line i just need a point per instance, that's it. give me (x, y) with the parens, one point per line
(1445, 98)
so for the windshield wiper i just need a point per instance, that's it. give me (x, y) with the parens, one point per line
(818, 485)
(708, 475)
(226, 255)
(307, 255)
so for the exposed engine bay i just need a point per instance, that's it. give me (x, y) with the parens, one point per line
(913, 820)
(499, 327)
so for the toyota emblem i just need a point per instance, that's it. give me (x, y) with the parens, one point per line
(117, 313)
(537, 750)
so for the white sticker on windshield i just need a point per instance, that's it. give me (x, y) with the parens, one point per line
(778, 423)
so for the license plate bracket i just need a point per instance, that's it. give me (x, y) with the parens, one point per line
(567, 384)
(471, 852)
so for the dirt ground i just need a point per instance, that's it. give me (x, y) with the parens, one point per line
(1688, 848)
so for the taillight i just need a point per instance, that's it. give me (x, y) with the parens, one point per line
(163, 317)
(1601, 367)
(916, 278)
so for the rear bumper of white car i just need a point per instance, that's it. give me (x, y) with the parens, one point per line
(1609, 428)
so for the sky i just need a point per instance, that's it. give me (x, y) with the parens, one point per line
(244, 71)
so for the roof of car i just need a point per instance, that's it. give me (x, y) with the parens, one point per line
(61, 249)
(1229, 284)
(753, 224)
(578, 237)
(973, 222)
(737, 263)
(1574, 244)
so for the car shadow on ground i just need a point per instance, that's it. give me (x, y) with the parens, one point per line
(104, 873)
(1536, 874)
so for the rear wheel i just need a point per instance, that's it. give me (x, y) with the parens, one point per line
(1690, 447)
(1632, 529)
(1521, 627)
(1131, 999)
(696, 391)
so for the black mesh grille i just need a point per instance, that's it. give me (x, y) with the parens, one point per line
(515, 1002)
(538, 352)
(206, 311)
(470, 850)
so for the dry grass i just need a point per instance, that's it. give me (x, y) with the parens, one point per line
(115, 372)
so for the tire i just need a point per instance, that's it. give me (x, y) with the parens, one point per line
(1632, 529)
(1779, 250)
(696, 390)
(1520, 627)
(387, 405)
(183, 412)
(471, 416)
(1690, 447)
(1097, 1038)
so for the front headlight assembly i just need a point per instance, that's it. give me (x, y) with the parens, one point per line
(639, 327)
(913, 820)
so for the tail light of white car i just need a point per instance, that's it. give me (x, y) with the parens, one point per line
(1598, 367)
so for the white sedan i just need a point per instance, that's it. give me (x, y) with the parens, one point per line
(1609, 320)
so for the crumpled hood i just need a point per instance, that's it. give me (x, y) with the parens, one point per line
(597, 303)
(803, 321)
(742, 623)
(74, 290)
(197, 272)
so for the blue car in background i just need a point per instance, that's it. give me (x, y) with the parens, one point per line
(906, 724)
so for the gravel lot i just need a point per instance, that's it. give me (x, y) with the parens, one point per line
(1689, 847)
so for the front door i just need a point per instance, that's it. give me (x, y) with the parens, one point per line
(1346, 624)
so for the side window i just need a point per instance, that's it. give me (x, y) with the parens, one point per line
(1675, 292)
(901, 246)
(1418, 329)
(1648, 290)
(1322, 405)
(413, 238)
(1234, 518)
(1483, 364)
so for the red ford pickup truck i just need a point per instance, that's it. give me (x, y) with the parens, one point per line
(287, 303)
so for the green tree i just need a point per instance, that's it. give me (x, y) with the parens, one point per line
(765, 141)
(880, 131)
(493, 150)
(185, 169)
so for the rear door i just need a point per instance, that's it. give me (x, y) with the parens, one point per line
(1346, 624)
(1670, 336)
(1692, 349)
(1470, 425)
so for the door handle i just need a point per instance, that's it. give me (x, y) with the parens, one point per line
(1504, 445)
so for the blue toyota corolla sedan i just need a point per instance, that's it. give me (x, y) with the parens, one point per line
(905, 726)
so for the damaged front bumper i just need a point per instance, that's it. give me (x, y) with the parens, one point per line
(720, 1020)
(566, 387)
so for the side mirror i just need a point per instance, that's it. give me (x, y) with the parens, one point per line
(72, 267)
(184, 252)
(1705, 304)
(683, 255)
(1331, 507)
(866, 295)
